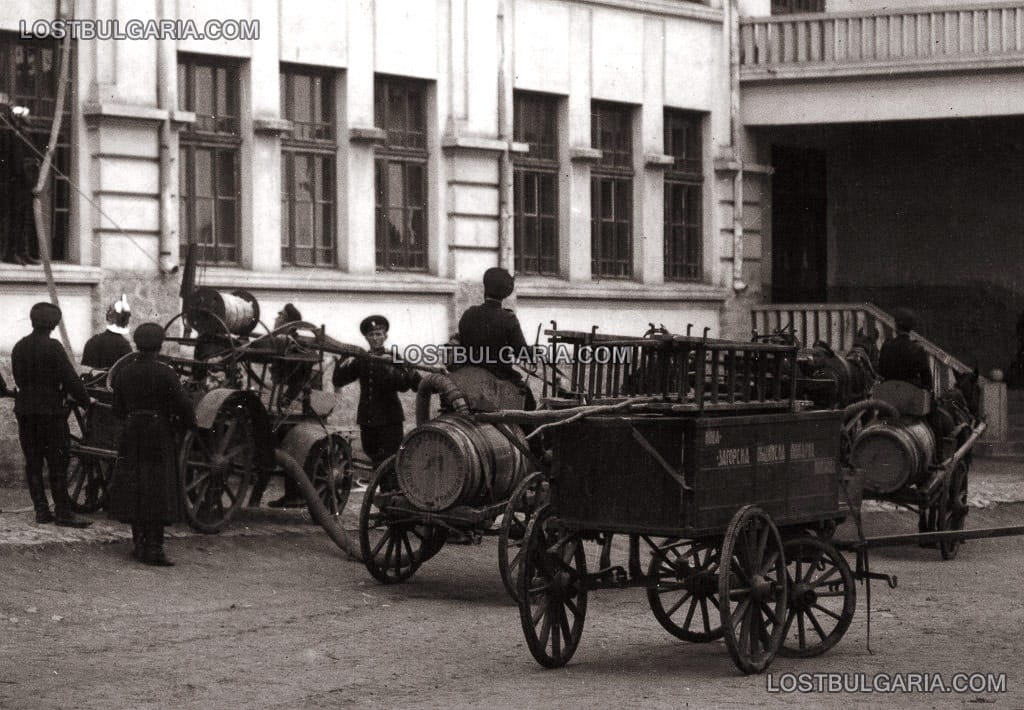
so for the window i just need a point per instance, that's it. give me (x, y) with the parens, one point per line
(401, 175)
(791, 7)
(29, 69)
(208, 164)
(535, 184)
(684, 182)
(611, 191)
(307, 168)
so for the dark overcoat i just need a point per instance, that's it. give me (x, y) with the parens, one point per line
(145, 487)
(379, 385)
(493, 339)
(904, 359)
(104, 349)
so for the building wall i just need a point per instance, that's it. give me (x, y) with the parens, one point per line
(650, 54)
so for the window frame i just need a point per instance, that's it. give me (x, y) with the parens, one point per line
(57, 200)
(612, 174)
(406, 155)
(685, 174)
(319, 146)
(223, 140)
(529, 171)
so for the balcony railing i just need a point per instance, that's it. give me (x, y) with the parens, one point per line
(838, 323)
(919, 39)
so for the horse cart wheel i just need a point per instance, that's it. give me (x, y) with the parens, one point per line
(822, 598)
(329, 468)
(88, 476)
(529, 495)
(216, 468)
(752, 589)
(953, 514)
(687, 588)
(552, 595)
(392, 542)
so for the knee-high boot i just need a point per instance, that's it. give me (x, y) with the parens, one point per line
(138, 541)
(155, 546)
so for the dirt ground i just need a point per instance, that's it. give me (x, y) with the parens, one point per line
(285, 621)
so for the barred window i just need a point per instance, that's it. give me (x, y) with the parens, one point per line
(791, 7)
(535, 184)
(684, 184)
(209, 155)
(29, 69)
(308, 168)
(401, 174)
(611, 191)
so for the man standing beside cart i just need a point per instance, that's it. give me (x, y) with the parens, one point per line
(44, 376)
(380, 415)
(145, 493)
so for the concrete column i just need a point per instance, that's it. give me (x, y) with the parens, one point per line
(261, 206)
(575, 207)
(357, 241)
(649, 184)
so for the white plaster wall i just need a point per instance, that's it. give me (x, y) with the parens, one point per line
(616, 56)
(541, 48)
(692, 80)
(405, 36)
(619, 317)
(18, 299)
(199, 12)
(319, 36)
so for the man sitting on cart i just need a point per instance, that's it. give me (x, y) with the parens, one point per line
(902, 358)
(492, 336)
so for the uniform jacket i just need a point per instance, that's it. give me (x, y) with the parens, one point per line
(104, 349)
(379, 385)
(44, 376)
(904, 359)
(149, 395)
(484, 330)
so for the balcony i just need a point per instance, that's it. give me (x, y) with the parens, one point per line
(856, 44)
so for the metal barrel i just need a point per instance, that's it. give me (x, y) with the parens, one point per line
(453, 460)
(893, 455)
(211, 312)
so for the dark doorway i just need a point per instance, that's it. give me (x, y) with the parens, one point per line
(799, 224)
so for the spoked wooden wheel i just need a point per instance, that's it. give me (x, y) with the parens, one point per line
(822, 598)
(216, 468)
(552, 595)
(529, 495)
(392, 542)
(752, 589)
(685, 600)
(329, 468)
(954, 513)
(88, 481)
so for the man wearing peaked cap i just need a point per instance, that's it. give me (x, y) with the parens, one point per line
(104, 349)
(902, 358)
(45, 377)
(149, 395)
(373, 322)
(380, 415)
(492, 335)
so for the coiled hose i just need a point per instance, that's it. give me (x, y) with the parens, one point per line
(436, 383)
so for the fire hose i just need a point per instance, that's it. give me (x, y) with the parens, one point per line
(331, 525)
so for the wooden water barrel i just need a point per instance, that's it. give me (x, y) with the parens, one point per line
(452, 460)
(893, 455)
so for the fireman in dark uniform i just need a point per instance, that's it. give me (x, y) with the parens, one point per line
(17, 180)
(492, 336)
(902, 358)
(145, 489)
(380, 415)
(104, 349)
(44, 376)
